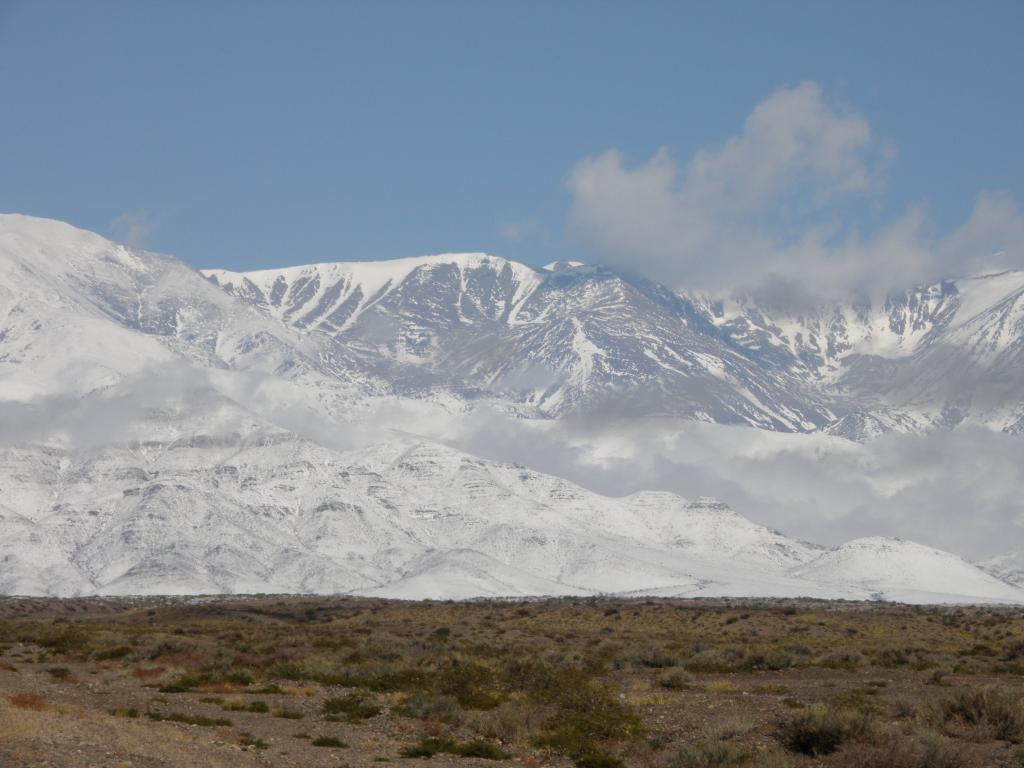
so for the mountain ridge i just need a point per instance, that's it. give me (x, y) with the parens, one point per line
(165, 434)
(853, 370)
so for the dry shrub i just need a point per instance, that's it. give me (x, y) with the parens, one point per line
(511, 721)
(986, 713)
(715, 755)
(31, 701)
(923, 749)
(822, 731)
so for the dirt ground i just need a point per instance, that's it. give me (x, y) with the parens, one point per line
(290, 681)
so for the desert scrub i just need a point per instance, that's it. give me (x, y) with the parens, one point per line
(718, 660)
(842, 659)
(821, 731)
(430, 746)
(654, 658)
(718, 755)
(676, 681)
(471, 683)
(352, 708)
(590, 718)
(109, 654)
(250, 741)
(920, 749)
(239, 705)
(516, 722)
(984, 713)
(63, 640)
(430, 706)
(185, 684)
(774, 660)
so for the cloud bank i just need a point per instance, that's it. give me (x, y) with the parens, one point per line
(773, 204)
(958, 491)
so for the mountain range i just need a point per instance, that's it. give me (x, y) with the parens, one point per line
(167, 430)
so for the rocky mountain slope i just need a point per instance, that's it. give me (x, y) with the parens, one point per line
(558, 340)
(571, 338)
(166, 431)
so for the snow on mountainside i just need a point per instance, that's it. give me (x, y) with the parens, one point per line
(567, 338)
(933, 356)
(574, 338)
(900, 570)
(273, 513)
(80, 313)
(1007, 567)
(163, 431)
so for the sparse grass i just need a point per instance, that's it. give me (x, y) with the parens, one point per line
(602, 683)
(985, 713)
(717, 755)
(919, 749)
(240, 705)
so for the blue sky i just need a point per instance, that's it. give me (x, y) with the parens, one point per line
(255, 134)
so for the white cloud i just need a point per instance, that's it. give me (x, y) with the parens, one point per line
(769, 203)
(958, 491)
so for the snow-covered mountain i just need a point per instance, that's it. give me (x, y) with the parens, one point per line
(561, 339)
(163, 430)
(931, 357)
(1008, 567)
(571, 338)
(274, 513)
